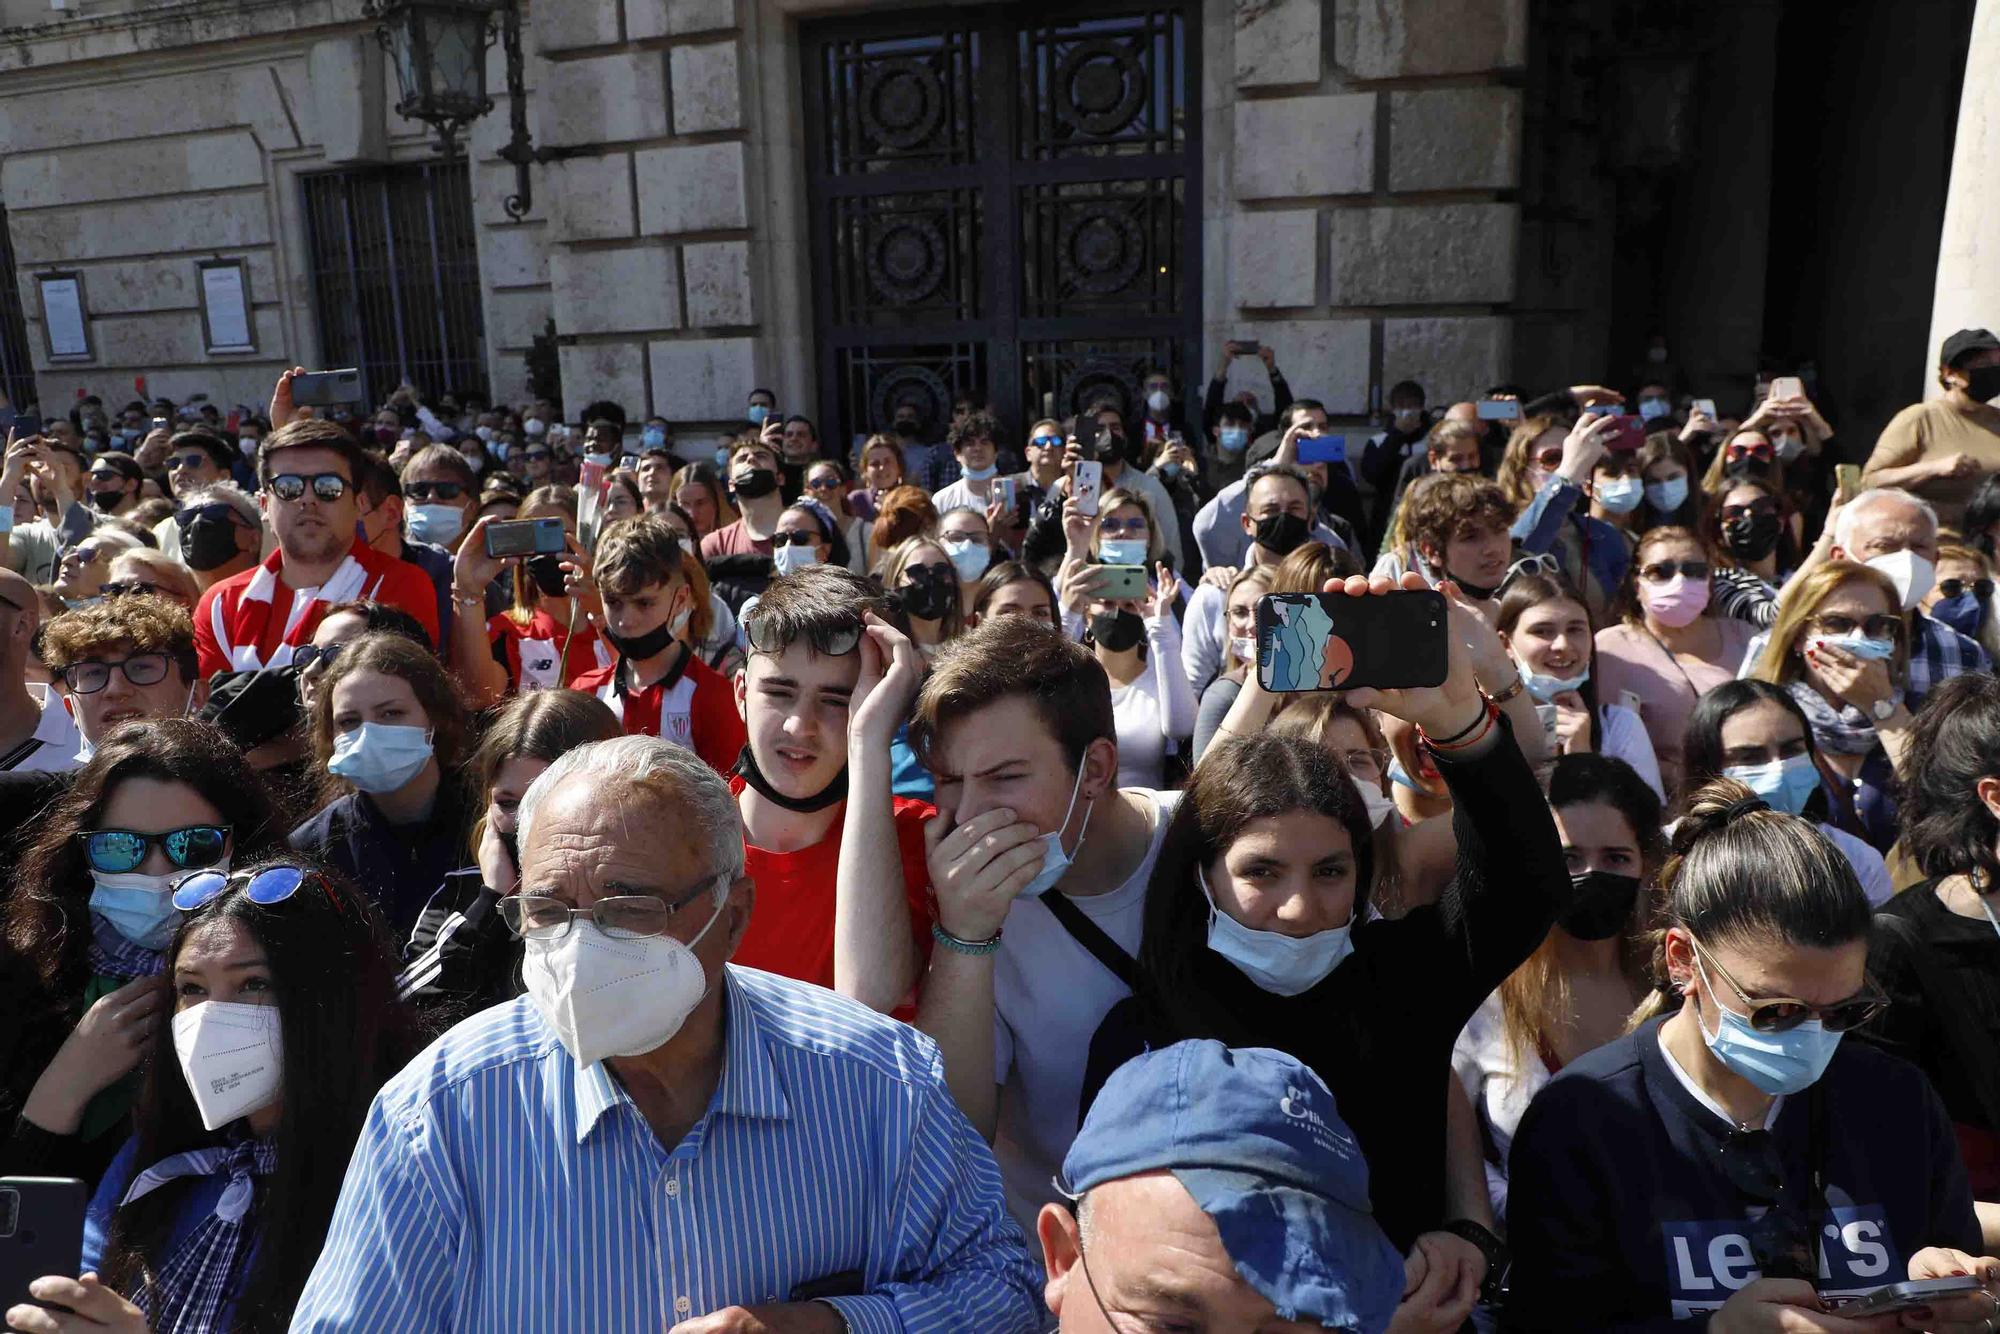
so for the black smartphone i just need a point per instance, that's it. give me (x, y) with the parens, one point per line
(326, 389)
(1329, 641)
(41, 1232)
(27, 424)
(1087, 431)
(524, 537)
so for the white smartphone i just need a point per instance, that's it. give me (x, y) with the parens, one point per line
(1706, 407)
(1088, 484)
(1788, 386)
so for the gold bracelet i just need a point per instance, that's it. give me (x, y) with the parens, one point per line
(1509, 693)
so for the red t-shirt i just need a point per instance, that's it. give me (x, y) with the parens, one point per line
(533, 653)
(791, 928)
(254, 619)
(733, 540)
(692, 706)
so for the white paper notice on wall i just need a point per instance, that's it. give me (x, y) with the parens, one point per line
(226, 308)
(62, 316)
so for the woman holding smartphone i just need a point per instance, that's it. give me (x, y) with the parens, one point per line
(549, 635)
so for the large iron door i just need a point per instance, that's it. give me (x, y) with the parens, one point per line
(1000, 202)
(396, 276)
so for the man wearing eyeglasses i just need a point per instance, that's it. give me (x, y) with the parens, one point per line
(308, 469)
(122, 660)
(197, 458)
(653, 1138)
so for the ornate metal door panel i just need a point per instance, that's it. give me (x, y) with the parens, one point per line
(999, 201)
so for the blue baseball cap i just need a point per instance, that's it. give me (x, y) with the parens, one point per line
(1254, 1137)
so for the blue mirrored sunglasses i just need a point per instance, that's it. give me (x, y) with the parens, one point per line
(273, 884)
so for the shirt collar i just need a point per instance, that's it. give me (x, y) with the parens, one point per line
(750, 1086)
(619, 674)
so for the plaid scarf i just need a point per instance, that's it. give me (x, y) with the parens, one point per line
(111, 955)
(190, 1290)
(1844, 731)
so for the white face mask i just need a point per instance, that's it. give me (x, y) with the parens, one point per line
(1912, 574)
(1281, 964)
(1381, 806)
(233, 1057)
(606, 996)
(1244, 647)
(1055, 862)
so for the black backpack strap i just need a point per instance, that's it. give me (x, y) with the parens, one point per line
(20, 753)
(1091, 936)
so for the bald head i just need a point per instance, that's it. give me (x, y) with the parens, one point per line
(1463, 412)
(19, 618)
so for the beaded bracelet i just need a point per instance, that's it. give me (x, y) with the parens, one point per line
(974, 948)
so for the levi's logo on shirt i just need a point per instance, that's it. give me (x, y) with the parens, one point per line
(1708, 1261)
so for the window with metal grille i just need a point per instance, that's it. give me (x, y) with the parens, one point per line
(396, 277)
(17, 369)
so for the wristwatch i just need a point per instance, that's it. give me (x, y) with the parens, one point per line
(1498, 1257)
(1882, 708)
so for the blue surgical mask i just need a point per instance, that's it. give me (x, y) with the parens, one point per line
(139, 906)
(1280, 964)
(1621, 495)
(1055, 862)
(1668, 496)
(786, 559)
(653, 437)
(440, 524)
(1962, 613)
(1122, 551)
(1170, 470)
(1546, 688)
(1785, 785)
(1862, 647)
(1774, 1063)
(722, 456)
(1652, 409)
(380, 757)
(969, 558)
(758, 414)
(1233, 439)
(980, 474)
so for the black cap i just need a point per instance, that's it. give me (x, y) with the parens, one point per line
(256, 706)
(1964, 343)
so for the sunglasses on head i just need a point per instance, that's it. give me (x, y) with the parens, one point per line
(273, 884)
(765, 637)
(116, 851)
(1781, 1014)
(1660, 571)
(422, 491)
(327, 486)
(1979, 588)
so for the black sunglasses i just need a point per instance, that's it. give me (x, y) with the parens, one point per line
(116, 851)
(327, 486)
(305, 655)
(1884, 625)
(218, 510)
(422, 491)
(941, 572)
(796, 538)
(534, 454)
(126, 587)
(1782, 1014)
(1979, 588)
(190, 460)
(1660, 571)
(765, 637)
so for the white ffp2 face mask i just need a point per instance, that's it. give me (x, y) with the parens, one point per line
(232, 1055)
(609, 996)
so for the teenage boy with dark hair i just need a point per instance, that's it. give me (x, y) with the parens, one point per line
(658, 686)
(838, 861)
(1015, 721)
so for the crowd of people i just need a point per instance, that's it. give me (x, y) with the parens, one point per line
(870, 885)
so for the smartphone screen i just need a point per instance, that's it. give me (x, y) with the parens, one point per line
(1706, 407)
(1329, 641)
(524, 537)
(1499, 410)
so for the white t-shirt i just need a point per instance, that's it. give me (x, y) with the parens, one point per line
(1621, 736)
(59, 741)
(1049, 995)
(1155, 706)
(1500, 1088)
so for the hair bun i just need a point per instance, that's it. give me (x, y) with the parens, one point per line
(1715, 805)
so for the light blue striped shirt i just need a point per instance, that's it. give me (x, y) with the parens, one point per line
(497, 1187)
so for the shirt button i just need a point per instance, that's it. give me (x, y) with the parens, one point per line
(673, 1187)
(682, 1305)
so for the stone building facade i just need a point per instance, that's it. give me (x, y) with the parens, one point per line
(1381, 189)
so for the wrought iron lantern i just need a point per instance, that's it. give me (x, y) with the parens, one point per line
(438, 48)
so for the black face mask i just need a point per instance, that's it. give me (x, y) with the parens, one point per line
(1753, 537)
(929, 598)
(1476, 592)
(1754, 469)
(746, 765)
(1281, 534)
(1117, 631)
(649, 645)
(1983, 383)
(755, 484)
(106, 500)
(1600, 904)
(547, 572)
(208, 544)
(906, 430)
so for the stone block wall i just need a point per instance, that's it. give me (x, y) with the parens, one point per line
(1359, 213)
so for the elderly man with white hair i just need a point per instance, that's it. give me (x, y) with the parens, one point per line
(651, 1139)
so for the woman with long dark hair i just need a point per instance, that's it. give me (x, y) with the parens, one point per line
(86, 924)
(282, 1025)
(1737, 1158)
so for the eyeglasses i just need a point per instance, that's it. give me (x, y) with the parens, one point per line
(937, 570)
(327, 486)
(141, 669)
(1660, 571)
(191, 460)
(1886, 625)
(1764, 453)
(765, 636)
(1782, 1014)
(116, 851)
(796, 537)
(622, 916)
(125, 587)
(1732, 513)
(1370, 763)
(1126, 528)
(305, 655)
(422, 491)
(273, 884)
(1979, 588)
